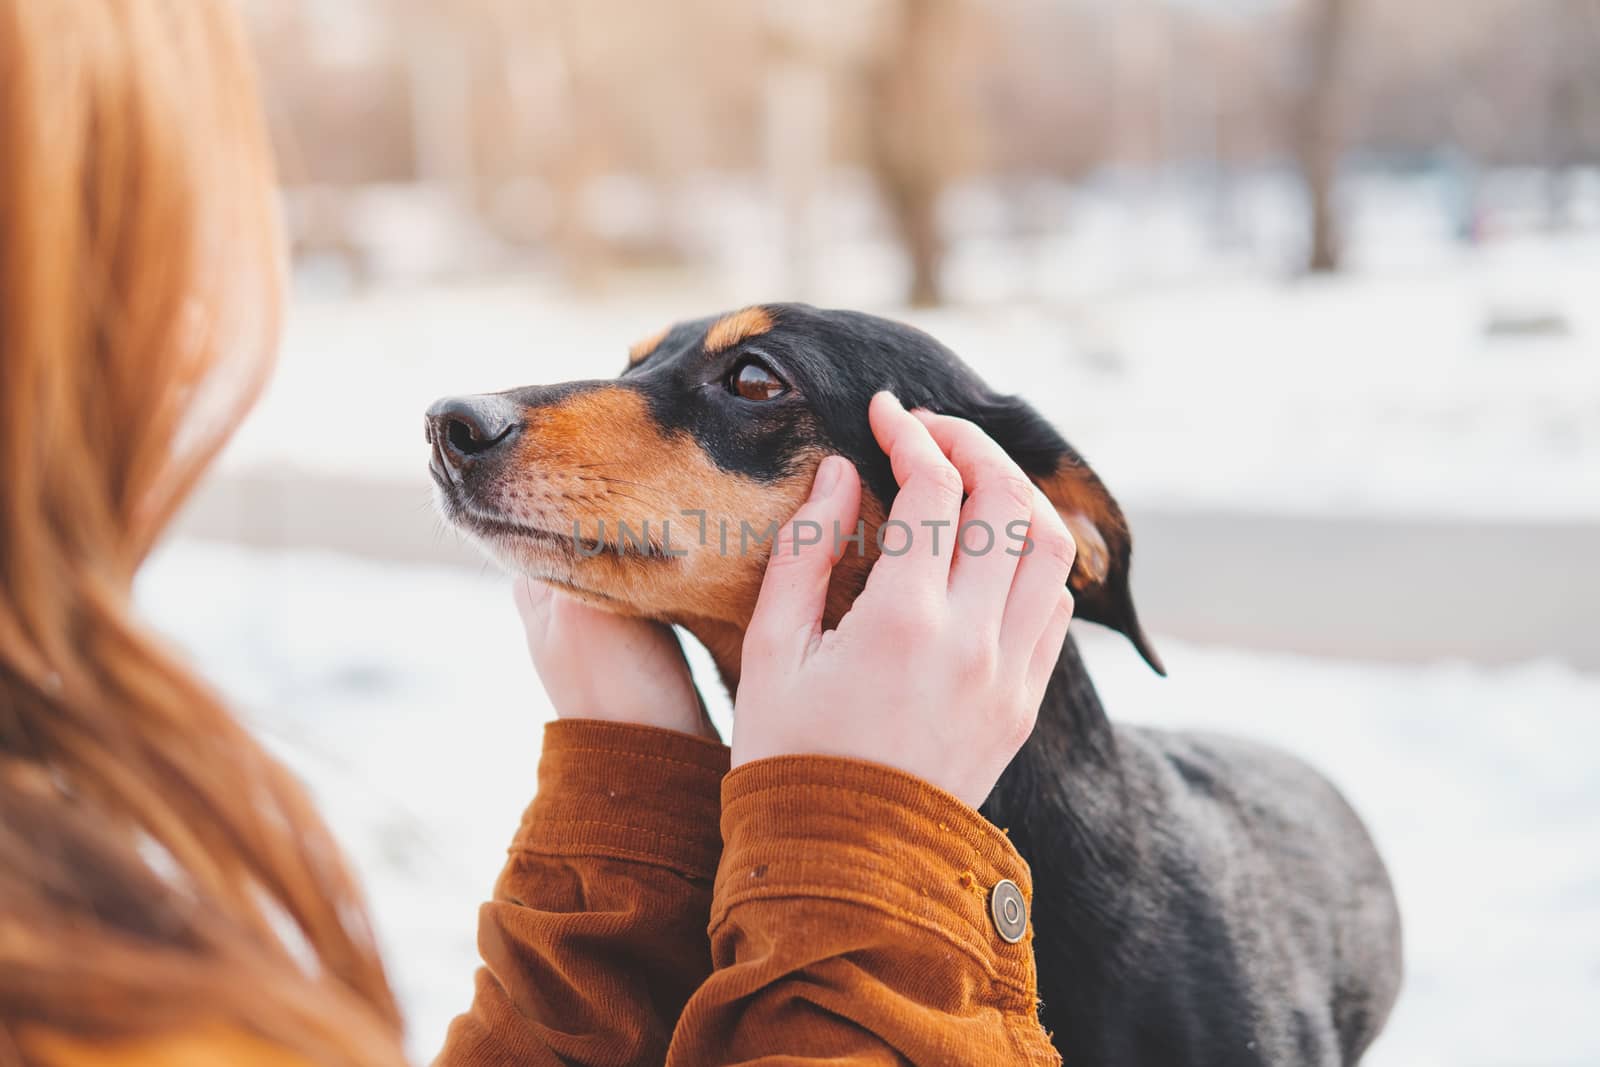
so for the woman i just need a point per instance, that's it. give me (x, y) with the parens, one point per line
(167, 893)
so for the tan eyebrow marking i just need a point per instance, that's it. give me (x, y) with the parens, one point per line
(640, 350)
(739, 326)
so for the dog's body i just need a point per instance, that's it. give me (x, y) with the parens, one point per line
(1198, 900)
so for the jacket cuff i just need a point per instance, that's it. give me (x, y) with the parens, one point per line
(848, 830)
(635, 793)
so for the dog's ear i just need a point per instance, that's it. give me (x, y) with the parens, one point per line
(1099, 577)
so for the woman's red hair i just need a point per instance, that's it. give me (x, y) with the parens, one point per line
(158, 870)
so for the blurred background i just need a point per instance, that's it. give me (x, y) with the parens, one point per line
(1313, 284)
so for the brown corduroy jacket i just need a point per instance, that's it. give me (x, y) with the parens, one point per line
(847, 906)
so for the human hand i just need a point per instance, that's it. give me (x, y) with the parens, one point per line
(939, 667)
(597, 665)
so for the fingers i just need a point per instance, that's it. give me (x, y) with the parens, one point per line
(1048, 649)
(998, 495)
(533, 603)
(795, 589)
(529, 595)
(920, 530)
(1041, 577)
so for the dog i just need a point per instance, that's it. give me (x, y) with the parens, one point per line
(1199, 900)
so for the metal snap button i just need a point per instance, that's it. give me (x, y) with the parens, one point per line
(1008, 910)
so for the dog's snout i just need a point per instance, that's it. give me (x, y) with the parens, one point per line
(464, 428)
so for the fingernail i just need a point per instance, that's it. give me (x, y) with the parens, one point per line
(827, 478)
(892, 398)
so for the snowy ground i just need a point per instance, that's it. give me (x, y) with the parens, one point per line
(404, 698)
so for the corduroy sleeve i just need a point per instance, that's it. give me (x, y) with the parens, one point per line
(851, 924)
(596, 936)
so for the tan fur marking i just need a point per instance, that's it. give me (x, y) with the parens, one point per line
(850, 573)
(1085, 506)
(600, 457)
(1099, 577)
(739, 326)
(640, 350)
(1093, 561)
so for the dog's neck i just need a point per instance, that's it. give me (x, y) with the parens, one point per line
(725, 642)
(1068, 763)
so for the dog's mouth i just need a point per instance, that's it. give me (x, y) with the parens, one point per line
(466, 509)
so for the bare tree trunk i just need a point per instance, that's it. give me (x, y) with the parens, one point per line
(1570, 92)
(796, 103)
(906, 150)
(914, 203)
(578, 159)
(1320, 127)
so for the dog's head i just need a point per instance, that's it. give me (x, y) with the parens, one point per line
(654, 494)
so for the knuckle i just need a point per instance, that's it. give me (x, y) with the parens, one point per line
(910, 627)
(940, 478)
(1013, 487)
(785, 555)
(978, 656)
(962, 438)
(1057, 545)
(788, 551)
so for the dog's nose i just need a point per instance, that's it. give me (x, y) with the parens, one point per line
(464, 428)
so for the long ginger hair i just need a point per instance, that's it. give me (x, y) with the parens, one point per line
(159, 871)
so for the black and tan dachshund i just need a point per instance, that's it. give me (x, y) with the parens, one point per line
(1199, 900)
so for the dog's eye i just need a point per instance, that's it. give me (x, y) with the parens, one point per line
(754, 380)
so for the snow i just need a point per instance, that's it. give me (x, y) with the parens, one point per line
(404, 698)
(1434, 379)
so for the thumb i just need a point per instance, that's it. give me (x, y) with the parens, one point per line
(533, 601)
(795, 589)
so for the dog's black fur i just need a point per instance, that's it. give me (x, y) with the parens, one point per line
(1199, 900)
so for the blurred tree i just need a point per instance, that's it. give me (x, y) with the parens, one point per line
(1571, 112)
(615, 135)
(917, 129)
(579, 155)
(1320, 125)
(800, 46)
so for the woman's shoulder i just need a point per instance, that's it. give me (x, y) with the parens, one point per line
(206, 1047)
